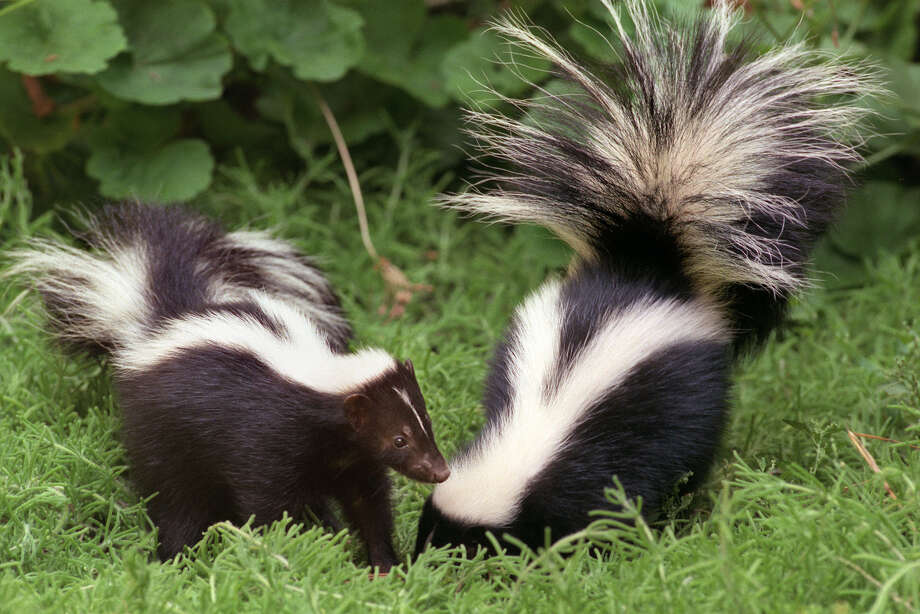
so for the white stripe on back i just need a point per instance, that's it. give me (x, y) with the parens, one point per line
(278, 262)
(486, 486)
(302, 356)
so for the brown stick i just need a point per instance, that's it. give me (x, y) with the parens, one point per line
(42, 105)
(868, 458)
(889, 440)
(398, 284)
(865, 574)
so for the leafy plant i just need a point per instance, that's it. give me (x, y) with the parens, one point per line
(147, 97)
(129, 85)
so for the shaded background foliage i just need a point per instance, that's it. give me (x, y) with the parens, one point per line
(216, 101)
(137, 99)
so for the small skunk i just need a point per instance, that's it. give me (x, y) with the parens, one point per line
(231, 365)
(692, 188)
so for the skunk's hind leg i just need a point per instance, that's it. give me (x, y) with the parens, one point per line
(182, 523)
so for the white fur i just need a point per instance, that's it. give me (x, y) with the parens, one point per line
(107, 293)
(300, 355)
(108, 289)
(278, 262)
(487, 484)
(711, 172)
(405, 397)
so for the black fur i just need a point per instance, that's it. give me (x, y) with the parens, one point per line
(648, 435)
(667, 191)
(187, 253)
(213, 432)
(218, 436)
(662, 423)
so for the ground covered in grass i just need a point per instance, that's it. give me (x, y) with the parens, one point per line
(794, 518)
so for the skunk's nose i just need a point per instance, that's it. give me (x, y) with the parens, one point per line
(436, 471)
(442, 474)
(440, 471)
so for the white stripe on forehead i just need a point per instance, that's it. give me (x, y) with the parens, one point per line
(405, 397)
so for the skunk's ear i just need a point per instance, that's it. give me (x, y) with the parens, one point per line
(357, 408)
(409, 366)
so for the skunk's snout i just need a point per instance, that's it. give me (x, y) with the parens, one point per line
(433, 471)
(442, 474)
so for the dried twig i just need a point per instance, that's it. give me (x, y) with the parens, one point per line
(42, 105)
(888, 439)
(868, 458)
(865, 574)
(398, 285)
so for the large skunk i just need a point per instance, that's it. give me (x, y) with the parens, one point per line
(231, 366)
(692, 186)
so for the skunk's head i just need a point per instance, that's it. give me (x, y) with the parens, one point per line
(391, 424)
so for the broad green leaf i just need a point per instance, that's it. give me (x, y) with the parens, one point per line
(903, 79)
(134, 125)
(888, 27)
(224, 127)
(485, 62)
(896, 125)
(20, 126)
(595, 39)
(50, 36)
(174, 172)
(134, 155)
(294, 104)
(318, 39)
(412, 59)
(554, 87)
(881, 216)
(175, 54)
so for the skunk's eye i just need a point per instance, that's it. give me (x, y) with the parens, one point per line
(400, 442)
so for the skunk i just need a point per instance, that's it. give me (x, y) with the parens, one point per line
(230, 363)
(692, 187)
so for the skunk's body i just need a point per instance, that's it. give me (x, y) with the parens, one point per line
(239, 398)
(692, 190)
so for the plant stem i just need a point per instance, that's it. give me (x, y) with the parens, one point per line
(350, 173)
(14, 6)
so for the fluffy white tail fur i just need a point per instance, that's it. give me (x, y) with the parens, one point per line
(742, 157)
(95, 299)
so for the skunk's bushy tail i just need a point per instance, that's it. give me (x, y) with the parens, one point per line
(739, 160)
(148, 264)
(96, 301)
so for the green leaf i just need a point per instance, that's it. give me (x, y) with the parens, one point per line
(48, 36)
(20, 126)
(175, 172)
(882, 216)
(594, 39)
(294, 105)
(888, 27)
(319, 40)
(896, 126)
(412, 59)
(224, 127)
(133, 155)
(903, 79)
(175, 54)
(486, 61)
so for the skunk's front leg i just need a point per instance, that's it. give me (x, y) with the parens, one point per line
(324, 515)
(366, 504)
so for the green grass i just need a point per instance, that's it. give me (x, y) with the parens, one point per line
(792, 520)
